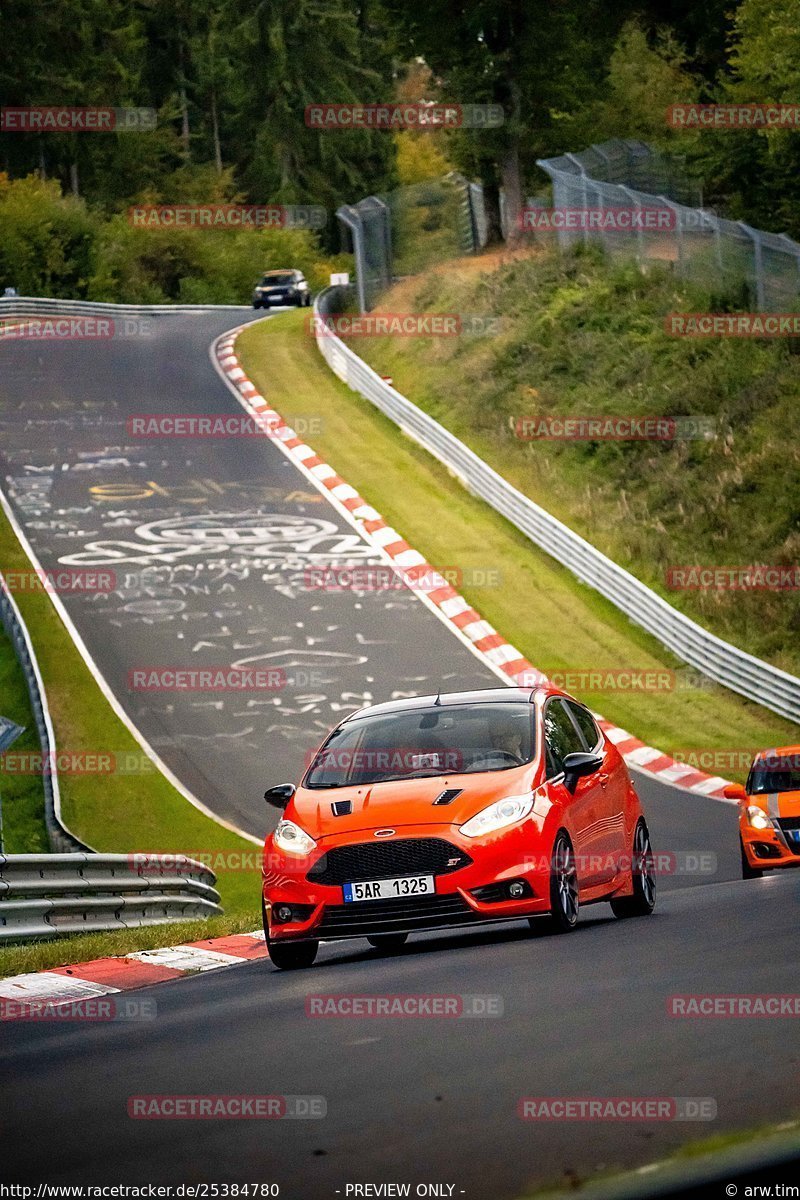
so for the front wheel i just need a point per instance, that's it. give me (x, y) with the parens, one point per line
(292, 956)
(748, 872)
(388, 941)
(288, 956)
(564, 901)
(643, 872)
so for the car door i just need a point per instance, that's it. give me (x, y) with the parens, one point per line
(562, 737)
(612, 777)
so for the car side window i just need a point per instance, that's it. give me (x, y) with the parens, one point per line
(560, 735)
(585, 722)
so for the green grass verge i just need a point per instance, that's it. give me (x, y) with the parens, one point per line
(583, 336)
(539, 606)
(22, 796)
(19, 959)
(118, 813)
(725, 1154)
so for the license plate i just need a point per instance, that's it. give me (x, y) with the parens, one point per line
(389, 889)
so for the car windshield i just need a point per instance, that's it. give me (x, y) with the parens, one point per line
(421, 743)
(278, 279)
(775, 775)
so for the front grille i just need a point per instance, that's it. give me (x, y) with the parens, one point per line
(368, 917)
(791, 831)
(385, 860)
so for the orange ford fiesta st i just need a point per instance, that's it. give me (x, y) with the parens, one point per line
(453, 810)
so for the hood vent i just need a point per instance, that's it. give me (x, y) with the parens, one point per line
(448, 795)
(342, 808)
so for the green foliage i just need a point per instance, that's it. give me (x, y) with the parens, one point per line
(46, 239)
(194, 266)
(593, 344)
(645, 76)
(52, 245)
(755, 175)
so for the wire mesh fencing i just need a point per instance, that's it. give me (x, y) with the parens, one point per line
(413, 228)
(703, 247)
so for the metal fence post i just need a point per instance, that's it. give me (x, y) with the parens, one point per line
(758, 262)
(352, 220)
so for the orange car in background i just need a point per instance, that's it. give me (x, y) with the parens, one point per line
(769, 811)
(453, 810)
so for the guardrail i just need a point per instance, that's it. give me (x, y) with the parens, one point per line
(48, 895)
(42, 306)
(58, 835)
(719, 660)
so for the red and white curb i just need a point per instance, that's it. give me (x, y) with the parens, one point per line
(464, 620)
(21, 994)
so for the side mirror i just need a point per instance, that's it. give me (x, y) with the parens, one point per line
(734, 791)
(579, 764)
(280, 795)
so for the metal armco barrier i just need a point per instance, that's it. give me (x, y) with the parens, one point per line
(59, 836)
(719, 660)
(40, 306)
(46, 895)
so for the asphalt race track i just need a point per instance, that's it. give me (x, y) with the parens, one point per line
(426, 1100)
(408, 1100)
(213, 545)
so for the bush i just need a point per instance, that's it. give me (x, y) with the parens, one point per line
(46, 239)
(52, 245)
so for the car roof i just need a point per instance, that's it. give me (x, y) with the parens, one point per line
(280, 271)
(776, 752)
(500, 695)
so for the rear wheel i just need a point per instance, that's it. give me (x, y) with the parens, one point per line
(564, 902)
(748, 872)
(643, 900)
(388, 941)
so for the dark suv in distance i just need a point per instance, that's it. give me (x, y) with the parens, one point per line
(282, 287)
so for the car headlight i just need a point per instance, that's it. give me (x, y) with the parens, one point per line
(758, 818)
(498, 815)
(292, 839)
